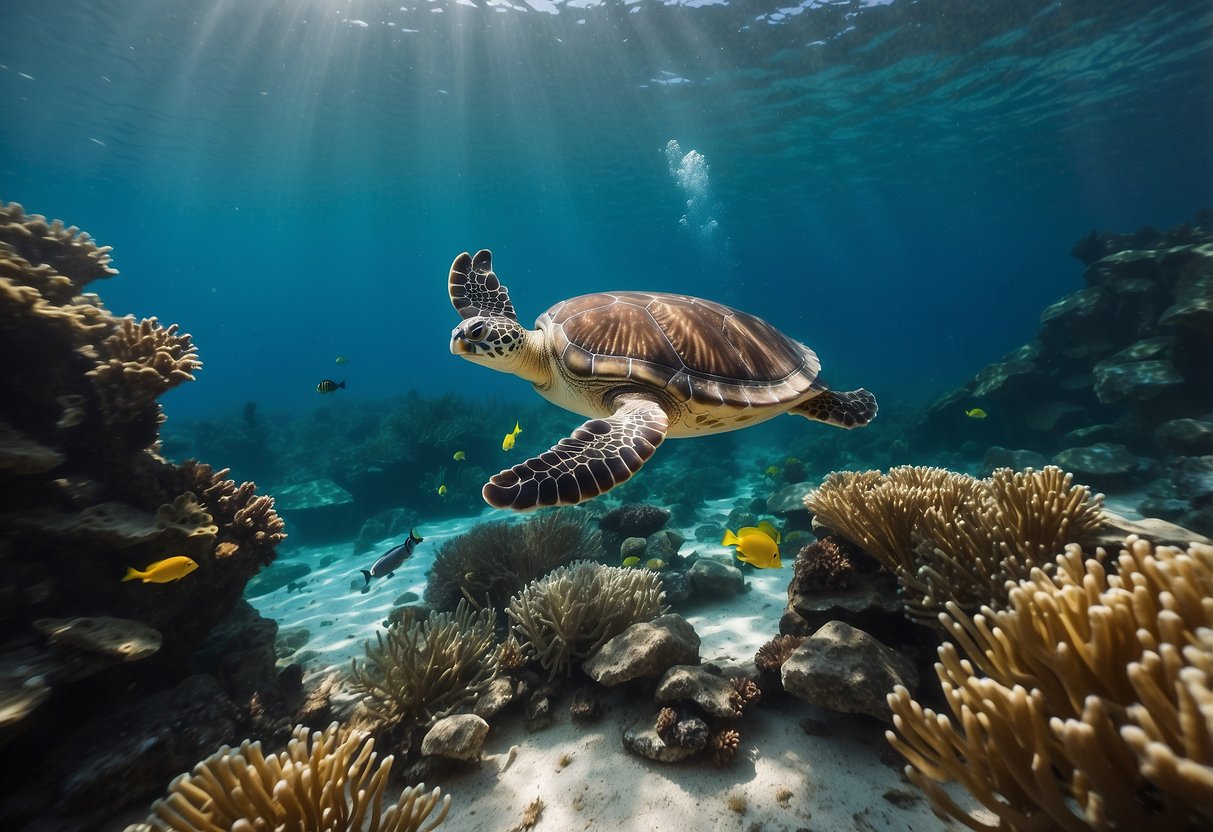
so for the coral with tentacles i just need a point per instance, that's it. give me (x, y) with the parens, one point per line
(576, 609)
(424, 670)
(953, 538)
(321, 781)
(1086, 703)
(493, 561)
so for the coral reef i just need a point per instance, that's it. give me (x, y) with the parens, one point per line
(1117, 386)
(571, 613)
(1085, 703)
(424, 670)
(321, 781)
(953, 538)
(724, 745)
(822, 565)
(87, 496)
(489, 564)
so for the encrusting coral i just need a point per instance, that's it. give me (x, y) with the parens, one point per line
(953, 538)
(320, 782)
(576, 609)
(1094, 710)
(424, 670)
(489, 564)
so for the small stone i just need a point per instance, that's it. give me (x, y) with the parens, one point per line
(644, 650)
(845, 669)
(714, 578)
(632, 547)
(715, 694)
(677, 587)
(498, 694)
(458, 737)
(1100, 459)
(646, 743)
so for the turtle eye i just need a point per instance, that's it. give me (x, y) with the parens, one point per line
(477, 331)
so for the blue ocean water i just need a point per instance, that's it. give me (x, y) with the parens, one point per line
(897, 184)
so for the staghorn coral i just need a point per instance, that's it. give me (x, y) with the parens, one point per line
(822, 565)
(748, 692)
(320, 782)
(569, 614)
(424, 670)
(143, 362)
(493, 561)
(1094, 710)
(953, 538)
(775, 652)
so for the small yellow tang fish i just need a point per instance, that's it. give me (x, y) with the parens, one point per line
(632, 561)
(459, 456)
(976, 413)
(772, 471)
(508, 443)
(442, 490)
(163, 571)
(757, 545)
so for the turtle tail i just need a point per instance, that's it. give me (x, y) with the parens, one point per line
(852, 409)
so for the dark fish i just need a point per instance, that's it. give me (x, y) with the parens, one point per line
(387, 565)
(327, 386)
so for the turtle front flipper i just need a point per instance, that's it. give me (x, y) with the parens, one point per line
(475, 289)
(599, 455)
(852, 409)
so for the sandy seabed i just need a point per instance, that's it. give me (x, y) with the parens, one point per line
(840, 775)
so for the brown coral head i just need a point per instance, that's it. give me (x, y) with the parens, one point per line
(774, 653)
(667, 719)
(748, 691)
(822, 565)
(724, 745)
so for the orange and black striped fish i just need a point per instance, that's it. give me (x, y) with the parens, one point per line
(328, 386)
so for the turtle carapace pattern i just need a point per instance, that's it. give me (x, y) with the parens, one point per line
(642, 366)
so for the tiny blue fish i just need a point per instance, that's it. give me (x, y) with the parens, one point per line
(387, 565)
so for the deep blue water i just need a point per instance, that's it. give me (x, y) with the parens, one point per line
(896, 184)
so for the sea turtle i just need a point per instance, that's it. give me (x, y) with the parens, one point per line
(642, 366)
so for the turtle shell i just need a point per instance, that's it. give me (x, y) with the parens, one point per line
(696, 350)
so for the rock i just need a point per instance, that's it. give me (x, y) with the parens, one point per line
(716, 579)
(313, 494)
(1189, 437)
(1193, 306)
(1117, 380)
(845, 669)
(459, 737)
(1116, 528)
(788, 501)
(275, 577)
(709, 532)
(646, 743)
(118, 639)
(634, 520)
(1075, 318)
(1193, 476)
(1053, 416)
(715, 694)
(1007, 378)
(644, 650)
(498, 694)
(317, 510)
(870, 604)
(676, 585)
(663, 544)
(290, 641)
(632, 547)
(1103, 459)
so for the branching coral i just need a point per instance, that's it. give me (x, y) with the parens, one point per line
(246, 521)
(724, 745)
(320, 782)
(775, 652)
(424, 670)
(1094, 710)
(951, 537)
(60, 250)
(822, 565)
(142, 361)
(493, 561)
(576, 609)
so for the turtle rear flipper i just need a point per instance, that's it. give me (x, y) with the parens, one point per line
(852, 409)
(475, 290)
(600, 455)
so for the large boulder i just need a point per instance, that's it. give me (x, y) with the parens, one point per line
(845, 669)
(645, 650)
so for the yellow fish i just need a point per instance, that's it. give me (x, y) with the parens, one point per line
(772, 471)
(632, 561)
(459, 456)
(976, 413)
(442, 490)
(656, 564)
(756, 545)
(163, 571)
(508, 443)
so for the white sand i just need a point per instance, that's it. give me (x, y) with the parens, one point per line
(783, 779)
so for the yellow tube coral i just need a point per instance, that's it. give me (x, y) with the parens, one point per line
(319, 782)
(1094, 710)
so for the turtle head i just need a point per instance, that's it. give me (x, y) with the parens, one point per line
(495, 342)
